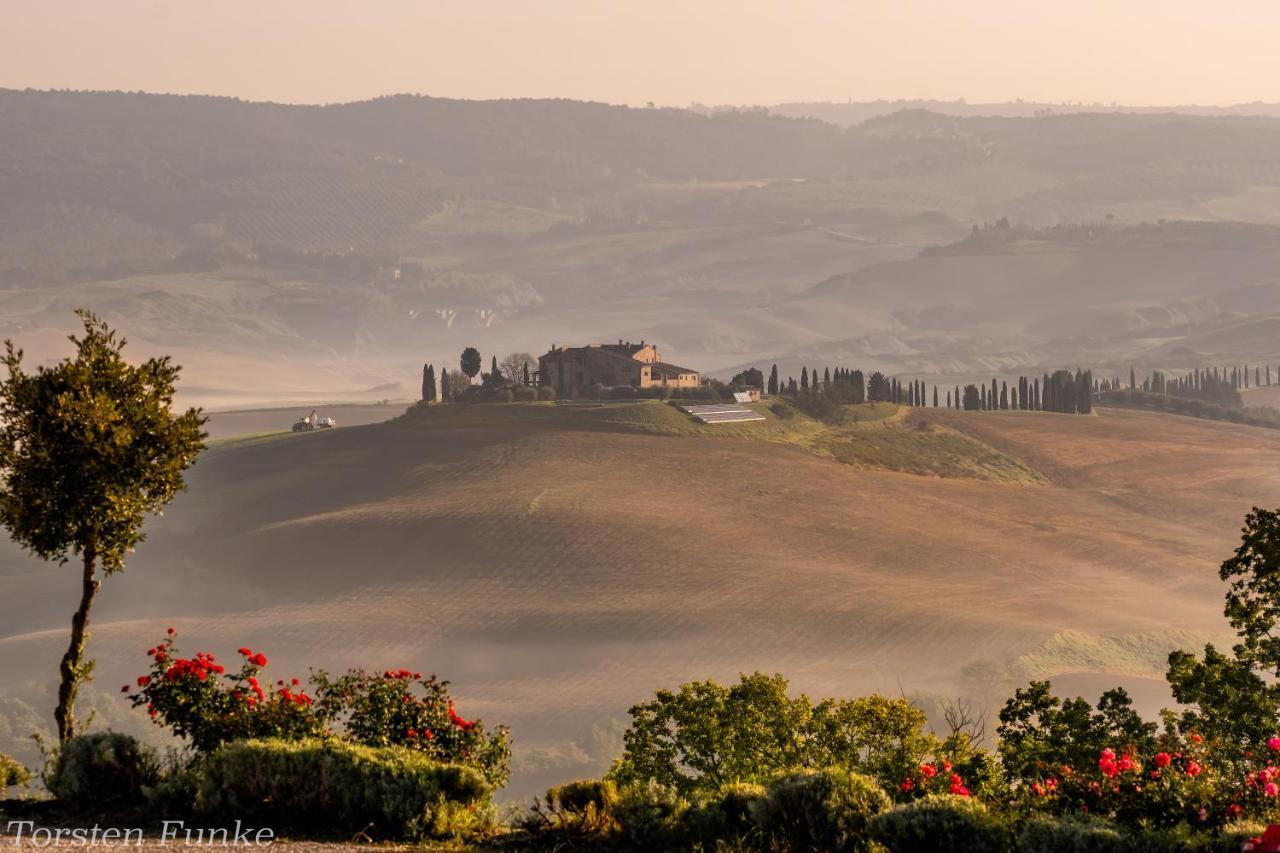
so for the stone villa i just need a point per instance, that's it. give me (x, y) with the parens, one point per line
(638, 365)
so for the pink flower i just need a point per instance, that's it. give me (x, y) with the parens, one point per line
(1270, 789)
(1273, 743)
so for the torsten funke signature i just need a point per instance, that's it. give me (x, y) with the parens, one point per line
(175, 833)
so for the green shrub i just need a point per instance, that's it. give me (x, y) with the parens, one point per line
(103, 771)
(333, 788)
(12, 774)
(651, 817)
(546, 392)
(941, 822)
(586, 805)
(1050, 835)
(822, 810)
(525, 394)
(730, 817)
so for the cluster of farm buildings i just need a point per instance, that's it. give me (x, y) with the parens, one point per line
(622, 364)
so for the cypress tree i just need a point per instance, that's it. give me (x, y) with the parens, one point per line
(428, 384)
(826, 378)
(804, 377)
(935, 396)
(1133, 380)
(773, 380)
(1004, 395)
(446, 394)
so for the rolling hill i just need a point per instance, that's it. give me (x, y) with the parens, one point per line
(558, 563)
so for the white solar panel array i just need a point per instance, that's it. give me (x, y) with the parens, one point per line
(723, 413)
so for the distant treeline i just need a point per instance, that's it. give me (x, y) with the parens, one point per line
(1061, 391)
(1220, 386)
(1159, 402)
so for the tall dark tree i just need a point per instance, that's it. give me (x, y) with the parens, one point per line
(935, 396)
(773, 380)
(428, 383)
(88, 448)
(470, 363)
(446, 391)
(804, 378)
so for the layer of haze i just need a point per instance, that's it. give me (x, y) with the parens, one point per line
(711, 51)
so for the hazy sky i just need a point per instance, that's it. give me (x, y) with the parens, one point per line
(666, 51)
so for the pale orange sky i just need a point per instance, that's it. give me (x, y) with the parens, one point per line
(667, 51)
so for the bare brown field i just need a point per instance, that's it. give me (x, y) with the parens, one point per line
(557, 574)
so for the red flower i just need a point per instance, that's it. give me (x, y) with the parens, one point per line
(259, 660)
(907, 785)
(928, 771)
(244, 650)
(1196, 739)
(144, 680)
(171, 632)
(1193, 769)
(1163, 759)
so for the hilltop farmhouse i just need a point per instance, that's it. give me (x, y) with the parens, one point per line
(636, 365)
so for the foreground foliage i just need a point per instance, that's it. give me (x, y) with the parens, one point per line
(332, 788)
(12, 774)
(706, 735)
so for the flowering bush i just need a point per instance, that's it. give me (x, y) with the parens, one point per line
(383, 710)
(199, 699)
(1176, 786)
(934, 777)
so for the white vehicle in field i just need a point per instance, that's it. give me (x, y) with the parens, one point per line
(312, 422)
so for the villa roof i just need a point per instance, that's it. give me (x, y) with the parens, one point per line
(665, 368)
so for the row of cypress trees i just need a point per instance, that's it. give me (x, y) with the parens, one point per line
(1060, 391)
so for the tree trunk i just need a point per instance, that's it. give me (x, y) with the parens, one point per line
(73, 668)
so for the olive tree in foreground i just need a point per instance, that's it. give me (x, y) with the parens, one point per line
(88, 447)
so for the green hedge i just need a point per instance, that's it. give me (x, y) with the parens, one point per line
(103, 772)
(1053, 835)
(333, 788)
(827, 809)
(941, 822)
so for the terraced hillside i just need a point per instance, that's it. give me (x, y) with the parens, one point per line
(558, 563)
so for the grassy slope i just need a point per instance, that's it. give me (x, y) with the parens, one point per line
(876, 435)
(560, 563)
